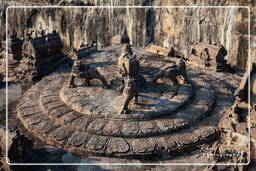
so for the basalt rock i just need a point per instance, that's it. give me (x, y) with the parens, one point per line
(242, 91)
(120, 39)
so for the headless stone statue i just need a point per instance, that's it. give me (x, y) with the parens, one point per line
(86, 72)
(128, 65)
(130, 92)
(172, 72)
(124, 37)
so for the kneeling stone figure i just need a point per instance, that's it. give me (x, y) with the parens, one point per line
(172, 72)
(86, 72)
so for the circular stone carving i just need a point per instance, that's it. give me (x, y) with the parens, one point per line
(53, 112)
(154, 100)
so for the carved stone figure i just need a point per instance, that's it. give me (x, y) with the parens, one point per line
(124, 37)
(130, 92)
(86, 72)
(1, 78)
(172, 72)
(127, 51)
(242, 91)
(209, 56)
(128, 65)
(41, 56)
(127, 62)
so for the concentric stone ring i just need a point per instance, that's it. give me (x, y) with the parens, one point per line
(87, 120)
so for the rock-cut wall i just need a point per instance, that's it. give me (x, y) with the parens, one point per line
(168, 27)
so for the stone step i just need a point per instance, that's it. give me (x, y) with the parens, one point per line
(53, 107)
(83, 142)
(80, 98)
(43, 113)
(57, 110)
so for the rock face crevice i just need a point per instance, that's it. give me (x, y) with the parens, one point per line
(150, 23)
(168, 27)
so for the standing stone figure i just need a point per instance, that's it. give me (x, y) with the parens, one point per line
(127, 62)
(86, 72)
(130, 92)
(172, 72)
(128, 65)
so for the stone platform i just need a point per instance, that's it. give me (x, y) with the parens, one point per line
(107, 103)
(86, 120)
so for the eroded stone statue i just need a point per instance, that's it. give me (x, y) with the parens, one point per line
(130, 92)
(127, 62)
(129, 68)
(210, 56)
(86, 72)
(128, 65)
(172, 72)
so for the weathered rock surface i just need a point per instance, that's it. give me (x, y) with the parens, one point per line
(234, 38)
(163, 27)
